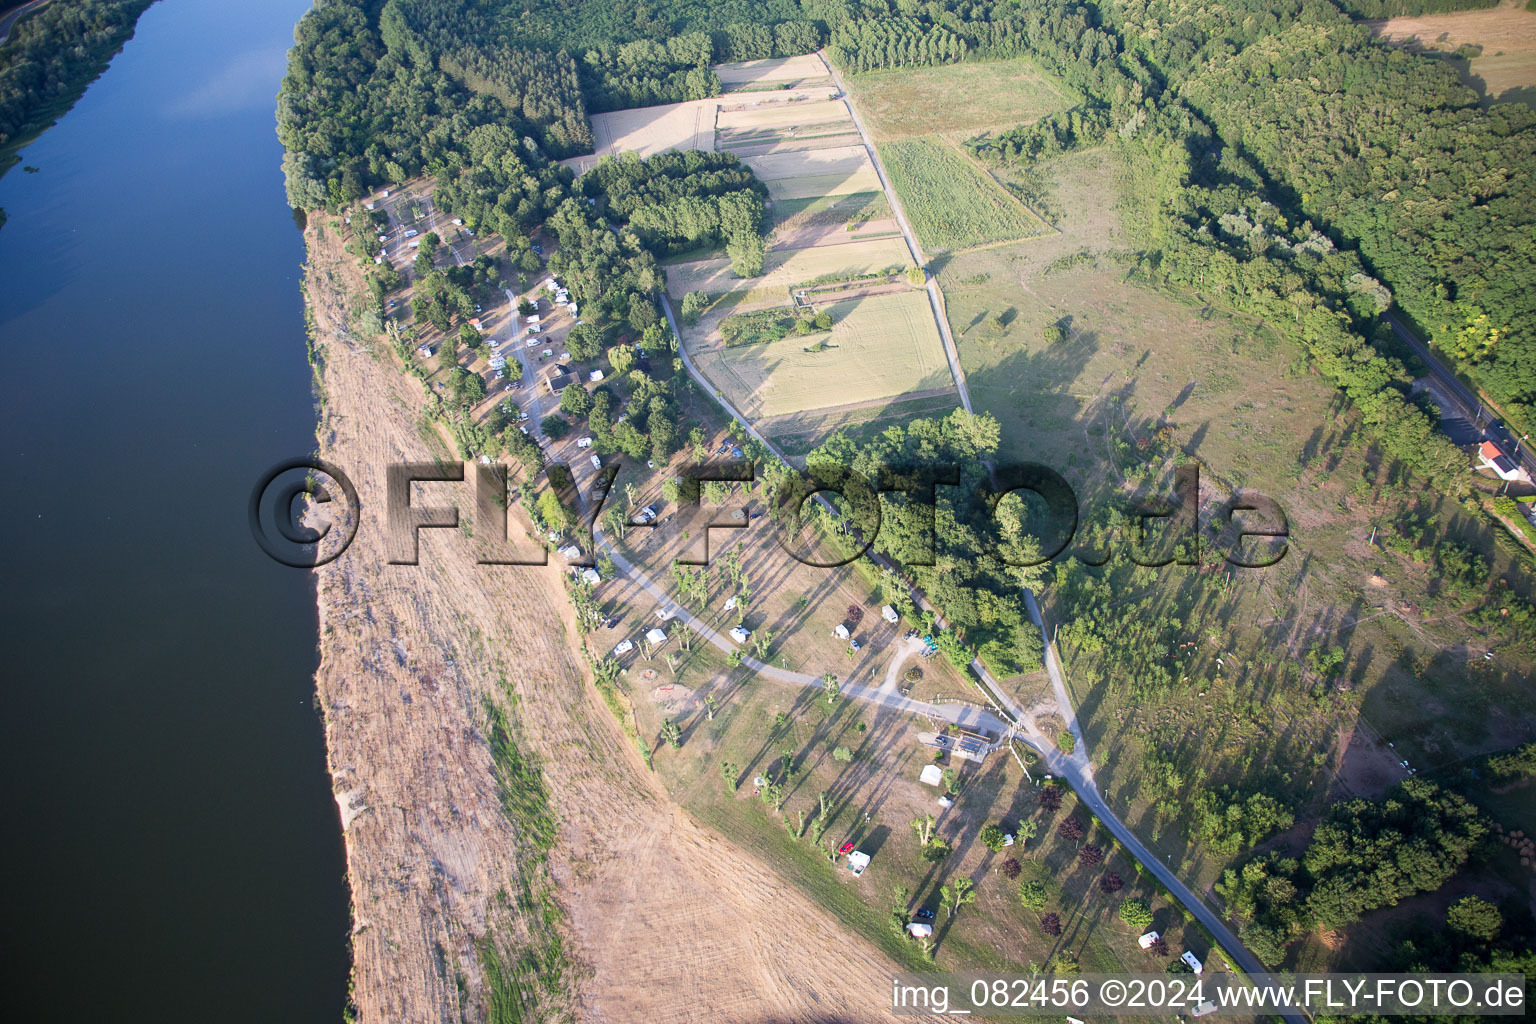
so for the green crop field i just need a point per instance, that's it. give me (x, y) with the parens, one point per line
(880, 346)
(952, 204)
(956, 99)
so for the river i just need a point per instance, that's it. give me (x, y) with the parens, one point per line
(171, 848)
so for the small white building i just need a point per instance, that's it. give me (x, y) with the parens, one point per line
(656, 636)
(888, 613)
(624, 647)
(740, 634)
(1491, 456)
(931, 775)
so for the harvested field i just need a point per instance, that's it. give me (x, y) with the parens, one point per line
(794, 214)
(959, 99)
(862, 180)
(1506, 68)
(787, 267)
(804, 174)
(953, 204)
(879, 347)
(691, 125)
(775, 71)
(783, 115)
(651, 130)
(845, 160)
(785, 142)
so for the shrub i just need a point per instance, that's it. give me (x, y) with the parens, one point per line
(1051, 924)
(1010, 868)
(1054, 334)
(936, 851)
(1090, 855)
(1071, 830)
(1111, 883)
(1136, 914)
(1032, 895)
(992, 838)
(1066, 741)
(1475, 918)
(1050, 799)
(842, 755)
(694, 304)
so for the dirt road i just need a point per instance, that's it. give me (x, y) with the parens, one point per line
(664, 920)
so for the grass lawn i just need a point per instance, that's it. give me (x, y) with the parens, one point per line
(951, 202)
(956, 99)
(785, 268)
(879, 346)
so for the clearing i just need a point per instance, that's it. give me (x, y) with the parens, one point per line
(959, 99)
(880, 346)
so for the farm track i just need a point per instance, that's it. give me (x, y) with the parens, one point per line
(935, 299)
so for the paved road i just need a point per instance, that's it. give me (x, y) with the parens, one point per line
(1077, 770)
(10, 20)
(1474, 410)
(935, 299)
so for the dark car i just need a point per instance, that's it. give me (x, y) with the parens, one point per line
(924, 915)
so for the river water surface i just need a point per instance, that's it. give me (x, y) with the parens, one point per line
(171, 850)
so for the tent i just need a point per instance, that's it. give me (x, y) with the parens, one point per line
(841, 632)
(656, 636)
(919, 930)
(931, 775)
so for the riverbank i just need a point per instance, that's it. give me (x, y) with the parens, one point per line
(655, 917)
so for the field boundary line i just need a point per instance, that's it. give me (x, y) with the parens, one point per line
(935, 297)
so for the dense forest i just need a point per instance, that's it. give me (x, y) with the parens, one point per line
(50, 58)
